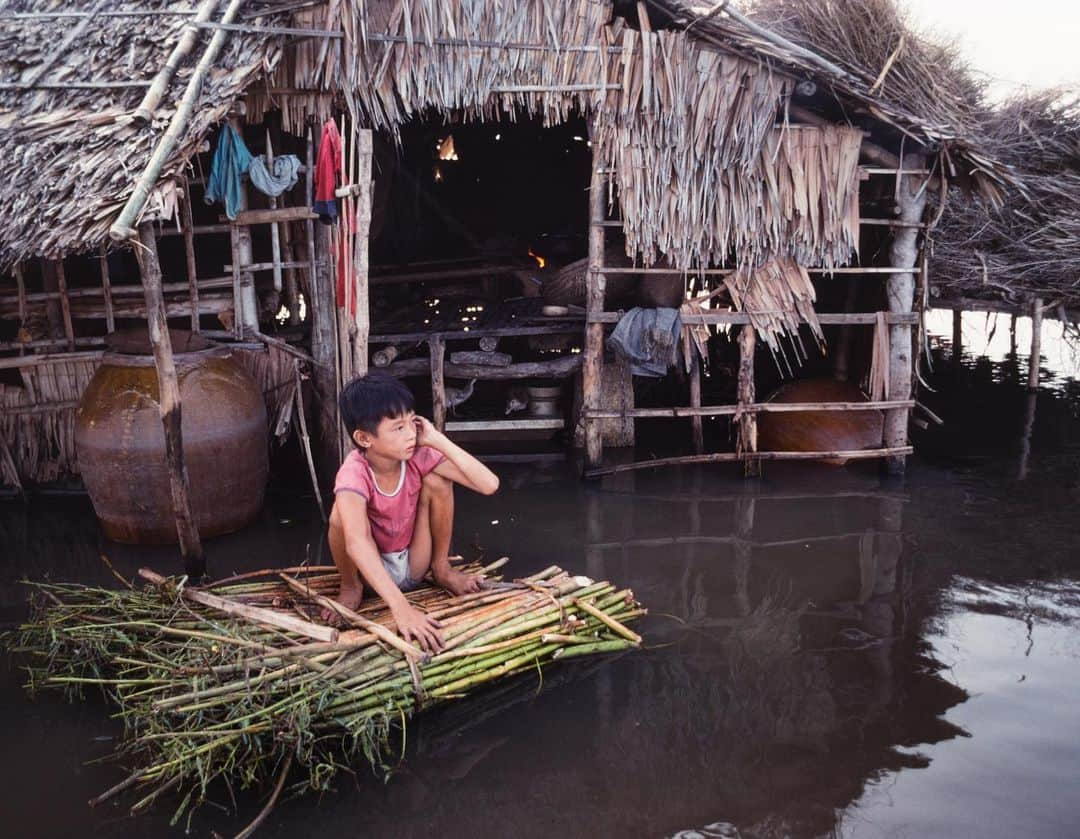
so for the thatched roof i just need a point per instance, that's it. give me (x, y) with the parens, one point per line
(685, 119)
(70, 154)
(1030, 247)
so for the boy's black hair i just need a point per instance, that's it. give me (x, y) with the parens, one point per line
(368, 400)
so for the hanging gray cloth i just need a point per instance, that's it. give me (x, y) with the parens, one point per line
(649, 339)
(284, 177)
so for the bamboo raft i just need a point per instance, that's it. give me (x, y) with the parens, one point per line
(242, 682)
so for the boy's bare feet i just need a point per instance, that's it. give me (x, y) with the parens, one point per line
(457, 582)
(350, 596)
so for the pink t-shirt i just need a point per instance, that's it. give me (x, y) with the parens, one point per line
(392, 514)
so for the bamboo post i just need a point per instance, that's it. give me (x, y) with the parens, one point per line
(145, 112)
(747, 421)
(106, 291)
(247, 316)
(1036, 344)
(593, 361)
(65, 304)
(900, 291)
(321, 306)
(437, 347)
(188, 227)
(1012, 337)
(695, 401)
(122, 228)
(275, 233)
(169, 403)
(50, 284)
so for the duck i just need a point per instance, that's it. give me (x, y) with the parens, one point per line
(456, 396)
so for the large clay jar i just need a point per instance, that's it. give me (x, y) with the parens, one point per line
(120, 442)
(819, 431)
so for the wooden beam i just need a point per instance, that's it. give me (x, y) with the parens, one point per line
(271, 216)
(733, 457)
(106, 290)
(751, 408)
(169, 405)
(826, 318)
(557, 368)
(65, 304)
(696, 428)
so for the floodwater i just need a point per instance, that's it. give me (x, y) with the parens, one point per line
(829, 653)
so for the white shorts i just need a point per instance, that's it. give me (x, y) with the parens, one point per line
(397, 566)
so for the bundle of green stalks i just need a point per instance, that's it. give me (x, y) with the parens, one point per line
(243, 682)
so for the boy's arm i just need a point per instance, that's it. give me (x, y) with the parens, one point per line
(459, 466)
(364, 554)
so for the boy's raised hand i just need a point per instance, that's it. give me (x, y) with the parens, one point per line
(416, 627)
(427, 434)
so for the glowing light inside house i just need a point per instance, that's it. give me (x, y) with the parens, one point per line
(540, 261)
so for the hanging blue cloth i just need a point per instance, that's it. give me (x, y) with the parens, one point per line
(231, 161)
(648, 339)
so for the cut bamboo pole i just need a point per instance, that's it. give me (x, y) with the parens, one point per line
(362, 209)
(169, 404)
(268, 617)
(1036, 344)
(123, 228)
(189, 248)
(305, 440)
(592, 368)
(275, 234)
(189, 36)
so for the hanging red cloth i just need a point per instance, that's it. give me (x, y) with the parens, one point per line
(327, 173)
(346, 234)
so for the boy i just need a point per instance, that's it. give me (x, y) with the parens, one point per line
(394, 503)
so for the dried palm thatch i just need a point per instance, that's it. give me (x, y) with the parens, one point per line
(777, 295)
(37, 420)
(868, 54)
(1030, 247)
(70, 148)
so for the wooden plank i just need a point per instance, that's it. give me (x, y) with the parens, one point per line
(245, 611)
(696, 428)
(547, 424)
(246, 218)
(753, 408)
(561, 328)
(556, 368)
(43, 359)
(828, 318)
(732, 457)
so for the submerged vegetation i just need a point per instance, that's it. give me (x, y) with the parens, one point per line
(211, 697)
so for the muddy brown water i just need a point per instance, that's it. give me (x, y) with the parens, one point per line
(829, 652)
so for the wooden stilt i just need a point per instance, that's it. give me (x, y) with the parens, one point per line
(900, 291)
(747, 422)
(247, 316)
(50, 284)
(437, 348)
(362, 210)
(696, 428)
(1036, 344)
(20, 288)
(169, 403)
(321, 307)
(593, 361)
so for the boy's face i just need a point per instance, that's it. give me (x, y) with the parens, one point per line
(395, 437)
